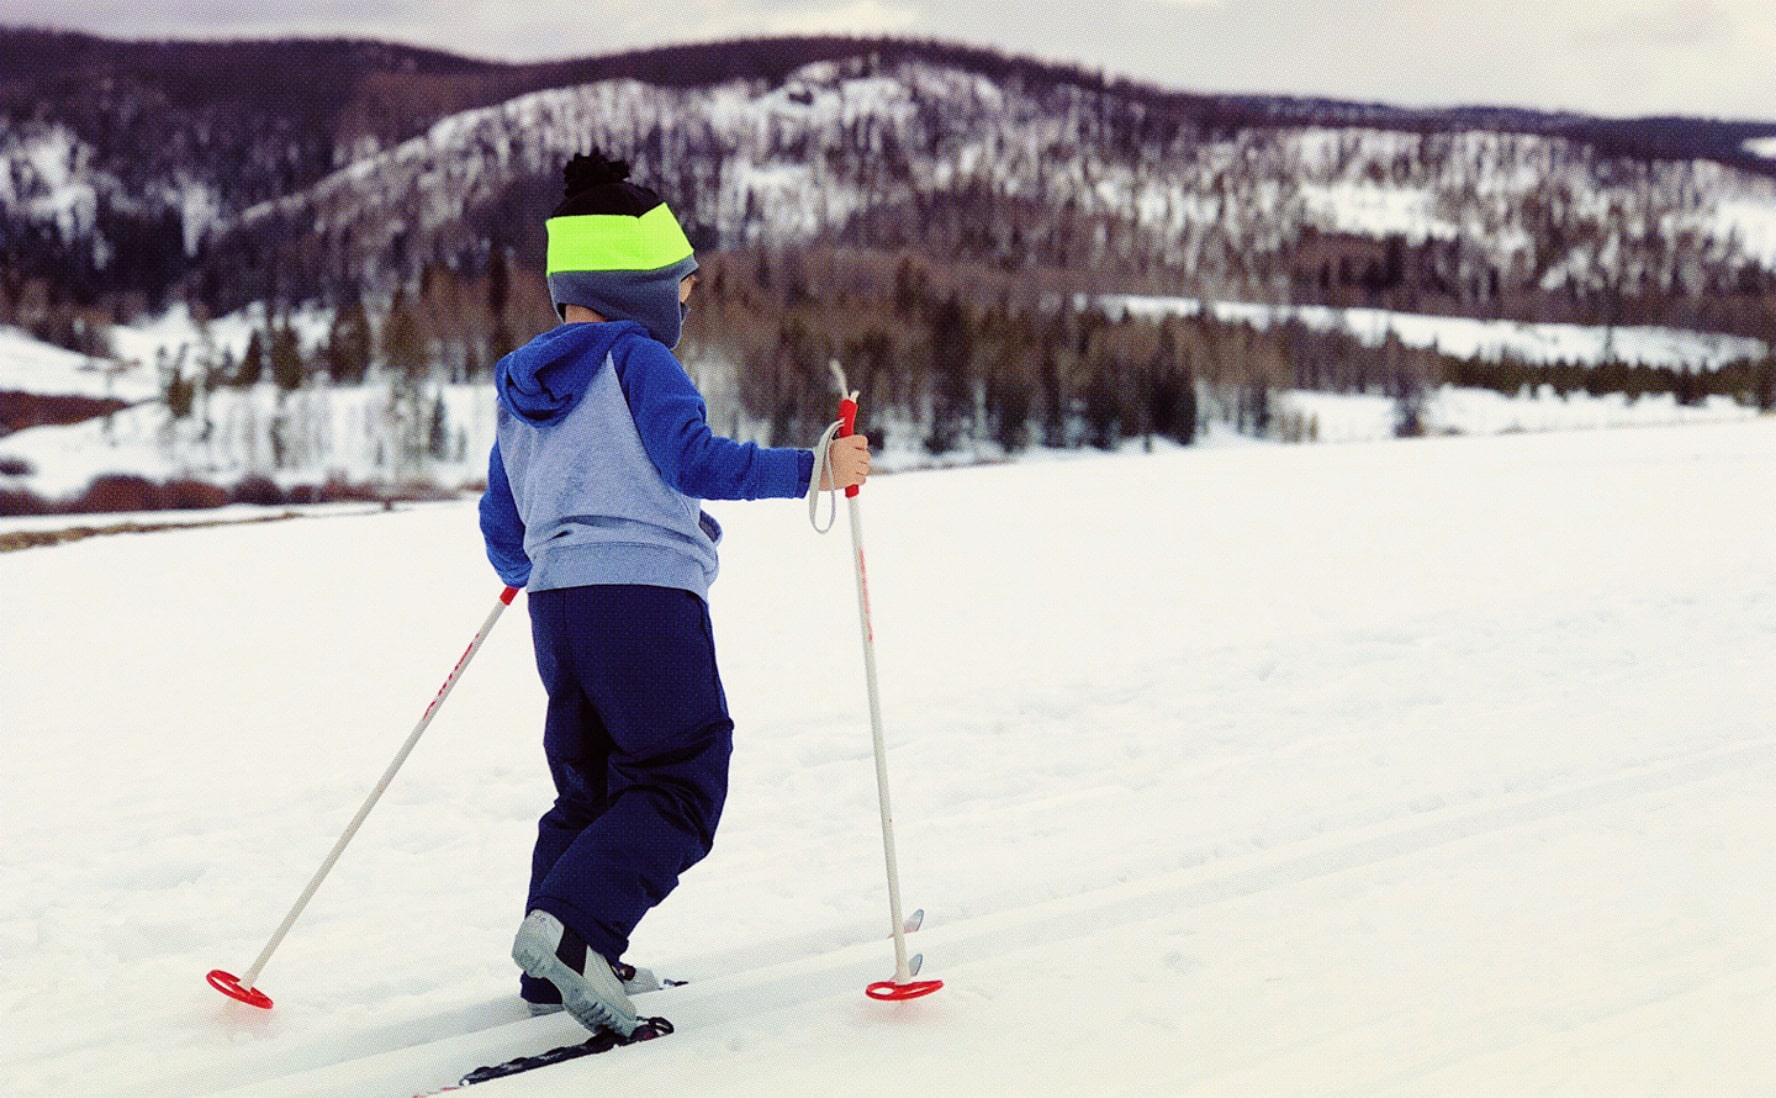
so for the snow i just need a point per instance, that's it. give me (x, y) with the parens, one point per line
(1449, 409)
(346, 431)
(29, 365)
(1369, 210)
(145, 339)
(133, 371)
(1438, 766)
(46, 173)
(302, 437)
(1470, 337)
(1753, 224)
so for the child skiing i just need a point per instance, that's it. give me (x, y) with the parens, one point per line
(602, 458)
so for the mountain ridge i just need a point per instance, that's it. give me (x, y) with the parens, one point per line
(35, 61)
(148, 168)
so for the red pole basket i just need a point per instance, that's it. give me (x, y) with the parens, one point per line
(888, 991)
(229, 984)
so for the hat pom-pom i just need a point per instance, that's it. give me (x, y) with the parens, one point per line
(587, 170)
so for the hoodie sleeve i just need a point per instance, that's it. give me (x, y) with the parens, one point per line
(501, 525)
(672, 420)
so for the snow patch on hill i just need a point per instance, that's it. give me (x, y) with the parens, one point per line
(29, 365)
(46, 174)
(1466, 337)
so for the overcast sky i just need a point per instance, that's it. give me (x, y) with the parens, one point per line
(1714, 58)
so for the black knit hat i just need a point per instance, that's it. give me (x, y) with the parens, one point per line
(596, 184)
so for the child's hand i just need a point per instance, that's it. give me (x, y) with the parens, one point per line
(850, 463)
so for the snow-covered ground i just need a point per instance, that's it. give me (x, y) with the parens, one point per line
(138, 350)
(349, 431)
(1436, 767)
(31, 366)
(1471, 337)
(177, 329)
(1448, 409)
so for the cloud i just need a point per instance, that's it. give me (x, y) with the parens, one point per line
(710, 19)
(857, 17)
(1691, 23)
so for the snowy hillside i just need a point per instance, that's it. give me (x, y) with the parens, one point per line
(360, 433)
(31, 366)
(1432, 767)
(349, 432)
(837, 144)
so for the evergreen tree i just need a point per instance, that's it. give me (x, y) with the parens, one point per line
(1054, 391)
(1765, 383)
(910, 287)
(180, 393)
(1103, 400)
(348, 344)
(500, 340)
(952, 387)
(869, 361)
(286, 357)
(252, 363)
(438, 428)
(797, 374)
(499, 284)
(401, 345)
(1171, 393)
(1010, 398)
(1010, 395)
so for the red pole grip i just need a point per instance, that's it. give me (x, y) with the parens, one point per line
(848, 425)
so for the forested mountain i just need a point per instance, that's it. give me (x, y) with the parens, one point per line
(132, 173)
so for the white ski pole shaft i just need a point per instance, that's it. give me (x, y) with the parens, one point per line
(847, 425)
(902, 972)
(314, 884)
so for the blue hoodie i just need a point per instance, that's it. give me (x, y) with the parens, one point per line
(602, 460)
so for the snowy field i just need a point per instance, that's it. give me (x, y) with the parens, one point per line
(1437, 767)
(1469, 337)
(1449, 409)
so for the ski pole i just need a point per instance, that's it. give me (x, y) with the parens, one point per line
(242, 987)
(903, 986)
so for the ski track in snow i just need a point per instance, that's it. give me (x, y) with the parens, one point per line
(1433, 767)
(787, 984)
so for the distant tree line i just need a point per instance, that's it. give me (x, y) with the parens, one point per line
(962, 354)
(969, 355)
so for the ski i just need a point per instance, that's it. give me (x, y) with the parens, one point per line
(603, 1041)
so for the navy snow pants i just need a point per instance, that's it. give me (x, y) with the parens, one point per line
(638, 740)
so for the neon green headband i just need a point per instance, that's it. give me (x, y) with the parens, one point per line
(616, 242)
